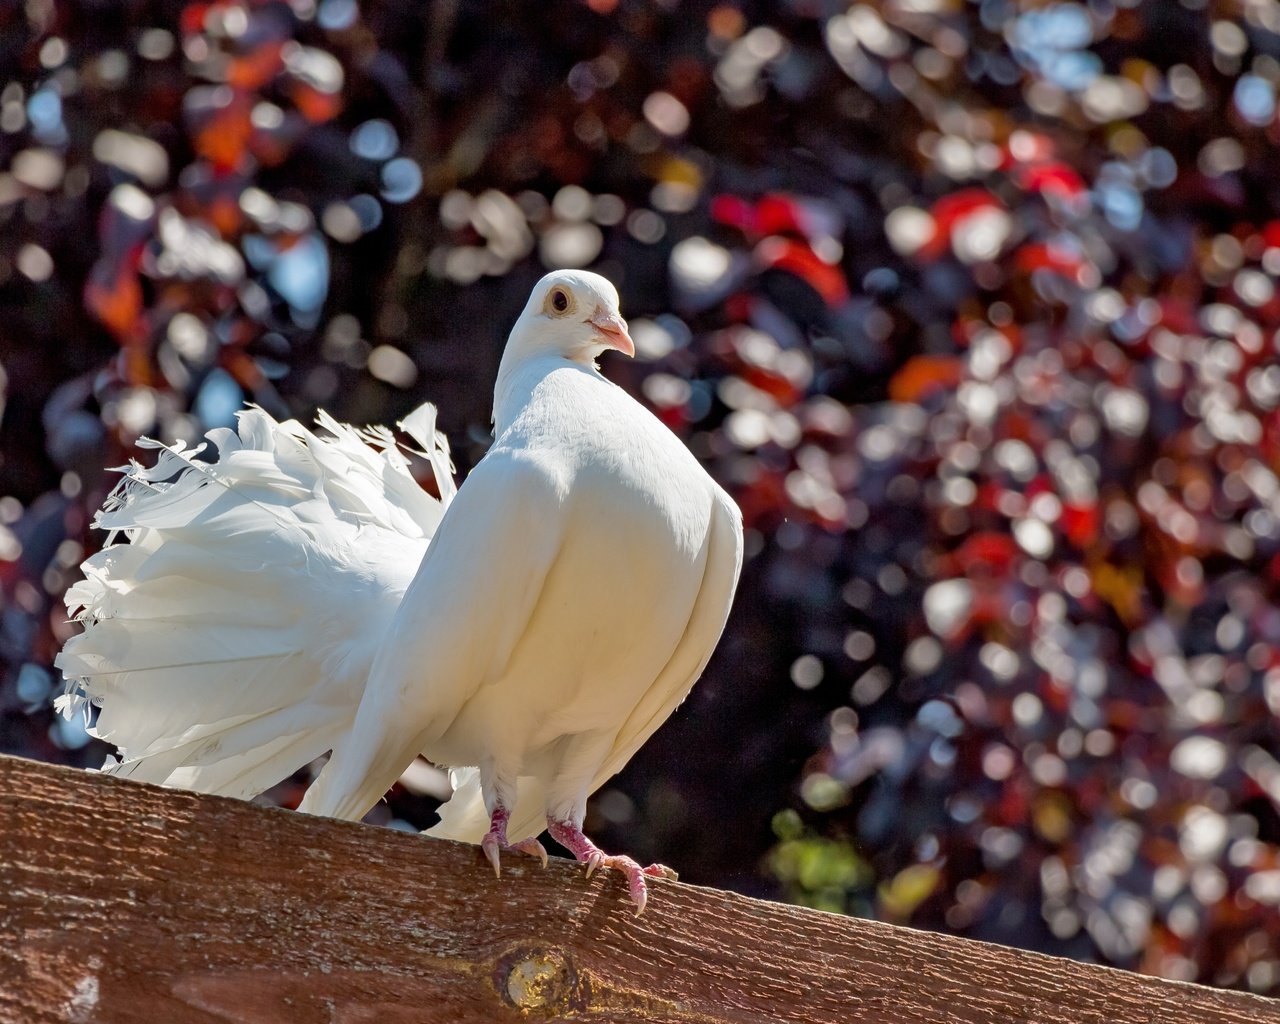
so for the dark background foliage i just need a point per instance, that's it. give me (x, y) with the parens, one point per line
(971, 305)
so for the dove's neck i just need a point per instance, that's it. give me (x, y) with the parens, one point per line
(517, 380)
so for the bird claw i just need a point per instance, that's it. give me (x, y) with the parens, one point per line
(493, 845)
(636, 887)
(569, 834)
(640, 896)
(533, 848)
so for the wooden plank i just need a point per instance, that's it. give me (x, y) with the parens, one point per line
(121, 902)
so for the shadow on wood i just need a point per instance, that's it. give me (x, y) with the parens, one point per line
(121, 902)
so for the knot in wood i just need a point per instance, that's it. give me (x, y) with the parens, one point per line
(538, 979)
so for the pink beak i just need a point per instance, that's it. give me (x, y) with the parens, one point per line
(614, 329)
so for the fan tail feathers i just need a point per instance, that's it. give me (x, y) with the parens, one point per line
(248, 774)
(231, 620)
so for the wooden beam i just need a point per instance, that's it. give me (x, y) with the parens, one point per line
(122, 902)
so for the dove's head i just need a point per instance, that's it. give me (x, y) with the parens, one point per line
(572, 313)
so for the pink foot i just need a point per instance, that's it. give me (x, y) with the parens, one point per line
(495, 841)
(569, 835)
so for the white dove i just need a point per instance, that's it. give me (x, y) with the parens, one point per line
(301, 594)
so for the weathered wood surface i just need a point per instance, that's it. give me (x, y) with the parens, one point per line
(121, 902)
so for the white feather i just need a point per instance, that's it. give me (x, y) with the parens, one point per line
(231, 621)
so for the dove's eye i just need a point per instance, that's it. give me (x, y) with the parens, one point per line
(560, 300)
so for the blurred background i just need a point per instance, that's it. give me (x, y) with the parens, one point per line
(971, 305)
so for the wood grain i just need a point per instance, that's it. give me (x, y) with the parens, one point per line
(121, 902)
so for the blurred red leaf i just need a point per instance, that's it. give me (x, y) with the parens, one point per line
(949, 211)
(1080, 523)
(797, 258)
(1056, 179)
(223, 137)
(987, 553)
(922, 376)
(315, 105)
(256, 68)
(1047, 256)
(113, 293)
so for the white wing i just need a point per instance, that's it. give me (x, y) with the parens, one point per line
(460, 619)
(227, 643)
(715, 598)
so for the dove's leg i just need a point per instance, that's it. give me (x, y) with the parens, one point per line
(579, 763)
(499, 796)
(569, 835)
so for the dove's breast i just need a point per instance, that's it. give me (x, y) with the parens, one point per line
(619, 595)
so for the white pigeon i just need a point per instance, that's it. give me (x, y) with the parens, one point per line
(301, 594)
